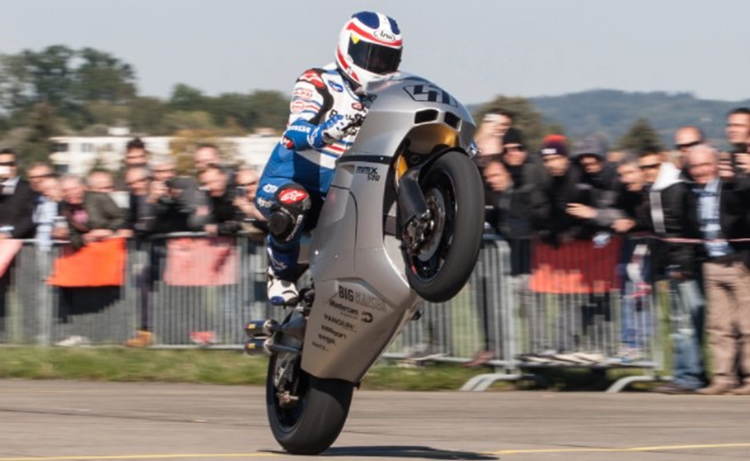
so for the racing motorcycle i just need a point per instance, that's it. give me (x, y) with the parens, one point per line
(402, 222)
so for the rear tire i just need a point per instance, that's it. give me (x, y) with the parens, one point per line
(453, 189)
(313, 423)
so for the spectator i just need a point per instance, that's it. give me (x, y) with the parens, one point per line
(137, 181)
(254, 224)
(204, 156)
(668, 212)
(597, 172)
(727, 279)
(489, 137)
(225, 217)
(564, 260)
(738, 129)
(634, 266)
(100, 181)
(49, 223)
(92, 216)
(16, 200)
(172, 203)
(684, 138)
(135, 154)
(16, 211)
(37, 172)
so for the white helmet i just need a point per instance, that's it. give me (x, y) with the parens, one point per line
(369, 47)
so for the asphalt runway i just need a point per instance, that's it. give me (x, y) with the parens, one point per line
(66, 421)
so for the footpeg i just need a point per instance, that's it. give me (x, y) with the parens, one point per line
(261, 329)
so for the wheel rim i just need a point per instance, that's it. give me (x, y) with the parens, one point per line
(297, 384)
(440, 199)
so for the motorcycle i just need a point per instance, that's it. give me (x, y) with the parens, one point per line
(402, 222)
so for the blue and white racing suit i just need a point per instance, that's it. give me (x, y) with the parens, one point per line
(300, 170)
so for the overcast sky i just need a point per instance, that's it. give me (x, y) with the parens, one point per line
(475, 49)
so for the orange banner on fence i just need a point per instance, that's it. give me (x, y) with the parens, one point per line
(98, 264)
(201, 262)
(8, 250)
(575, 267)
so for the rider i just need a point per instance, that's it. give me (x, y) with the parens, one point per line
(325, 102)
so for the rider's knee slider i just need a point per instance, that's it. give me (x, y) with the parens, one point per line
(288, 213)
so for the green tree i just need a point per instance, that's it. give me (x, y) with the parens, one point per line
(186, 98)
(147, 115)
(525, 117)
(43, 123)
(641, 137)
(101, 77)
(271, 109)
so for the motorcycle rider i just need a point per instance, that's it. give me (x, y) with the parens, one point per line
(325, 104)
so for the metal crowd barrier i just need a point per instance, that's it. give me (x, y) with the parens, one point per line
(498, 311)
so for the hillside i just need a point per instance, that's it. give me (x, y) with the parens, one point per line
(612, 112)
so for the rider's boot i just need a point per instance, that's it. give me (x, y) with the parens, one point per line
(281, 292)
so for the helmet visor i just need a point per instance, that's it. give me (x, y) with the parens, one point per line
(374, 58)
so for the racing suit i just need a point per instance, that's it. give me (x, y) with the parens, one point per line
(298, 174)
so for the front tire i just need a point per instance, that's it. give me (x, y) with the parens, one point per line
(312, 423)
(453, 190)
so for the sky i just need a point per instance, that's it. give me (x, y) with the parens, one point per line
(474, 49)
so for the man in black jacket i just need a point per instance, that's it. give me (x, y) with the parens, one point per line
(668, 211)
(16, 211)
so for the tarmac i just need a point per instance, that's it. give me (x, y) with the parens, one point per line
(68, 421)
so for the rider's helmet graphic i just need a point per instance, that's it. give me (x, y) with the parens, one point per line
(370, 46)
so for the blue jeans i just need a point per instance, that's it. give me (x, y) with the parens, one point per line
(686, 320)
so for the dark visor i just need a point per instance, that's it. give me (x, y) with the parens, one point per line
(374, 58)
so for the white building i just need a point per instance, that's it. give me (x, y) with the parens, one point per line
(78, 154)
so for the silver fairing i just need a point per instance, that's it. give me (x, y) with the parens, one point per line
(362, 297)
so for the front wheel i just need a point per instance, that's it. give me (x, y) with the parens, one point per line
(453, 191)
(306, 413)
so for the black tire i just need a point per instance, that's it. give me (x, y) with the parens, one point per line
(314, 423)
(454, 191)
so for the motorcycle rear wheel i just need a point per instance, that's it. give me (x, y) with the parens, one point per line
(315, 420)
(453, 190)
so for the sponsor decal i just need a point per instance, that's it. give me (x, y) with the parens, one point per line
(385, 35)
(292, 196)
(263, 203)
(313, 77)
(371, 172)
(357, 106)
(362, 299)
(343, 309)
(270, 188)
(430, 93)
(336, 87)
(366, 317)
(303, 93)
(297, 106)
(345, 324)
(333, 332)
(327, 340)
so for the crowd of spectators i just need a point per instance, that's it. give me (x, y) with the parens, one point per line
(678, 214)
(46, 207)
(673, 217)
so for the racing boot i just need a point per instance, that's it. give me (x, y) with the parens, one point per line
(281, 292)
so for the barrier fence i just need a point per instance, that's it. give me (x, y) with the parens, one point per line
(527, 305)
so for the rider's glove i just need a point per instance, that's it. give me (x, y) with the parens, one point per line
(303, 135)
(332, 130)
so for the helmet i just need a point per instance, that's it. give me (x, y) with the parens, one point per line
(369, 47)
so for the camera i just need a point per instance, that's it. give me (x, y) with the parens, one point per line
(240, 191)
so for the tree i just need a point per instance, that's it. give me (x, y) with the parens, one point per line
(525, 117)
(271, 109)
(147, 115)
(186, 98)
(103, 78)
(641, 137)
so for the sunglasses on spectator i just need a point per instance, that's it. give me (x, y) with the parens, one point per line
(687, 145)
(42, 176)
(513, 149)
(652, 166)
(7, 163)
(136, 181)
